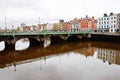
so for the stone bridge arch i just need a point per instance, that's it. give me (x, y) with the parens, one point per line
(8, 46)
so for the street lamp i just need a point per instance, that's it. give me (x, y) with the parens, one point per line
(5, 25)
(39, 20)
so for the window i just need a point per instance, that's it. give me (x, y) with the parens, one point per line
(111, 27)
(114, 21)
(89, 23)
(114, 26)
(107, 18)
(104, 26)
(104, 18)
(111, 17)
(99, 26)
(114, 17)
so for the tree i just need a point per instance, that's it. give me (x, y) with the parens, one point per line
(55, 26)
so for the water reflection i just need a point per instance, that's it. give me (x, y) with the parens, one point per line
(36, 52)
(67, 61)
(31, 54)
(108, 55)
(2, 45)
(22, 44)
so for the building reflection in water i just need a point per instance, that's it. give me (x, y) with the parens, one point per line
(87, 51)
(109, 55)
(13, 58)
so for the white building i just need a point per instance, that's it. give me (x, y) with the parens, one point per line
(34, 28)
(103, 23)
(114, 22)
(49, 26)
(109, 23)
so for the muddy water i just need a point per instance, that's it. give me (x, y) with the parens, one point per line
(65, 61)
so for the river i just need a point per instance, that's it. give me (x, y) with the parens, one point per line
(64, 61)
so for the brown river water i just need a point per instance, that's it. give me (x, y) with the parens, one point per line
(64, 61)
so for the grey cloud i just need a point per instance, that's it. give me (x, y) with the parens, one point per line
(18, 11)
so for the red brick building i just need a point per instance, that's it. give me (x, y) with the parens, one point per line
(26, 28)
(67, 26)
(86, 23)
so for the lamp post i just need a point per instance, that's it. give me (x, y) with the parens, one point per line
(39, 20)
(12, 28)
(5, 25)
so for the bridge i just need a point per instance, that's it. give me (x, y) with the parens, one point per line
(36, 37)
(40, 36)
(42, 33)
(5, 36)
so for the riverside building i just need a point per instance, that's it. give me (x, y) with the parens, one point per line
(109, 23)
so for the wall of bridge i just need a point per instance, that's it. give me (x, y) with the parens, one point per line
(106, 38)
(39, 40)
(10, 41)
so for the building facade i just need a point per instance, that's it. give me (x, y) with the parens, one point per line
(114, 23)
(109, 23)
(103, 23)
(75, 25)
(26, 28)
(67, 26)
(49, 26)
(86, 23)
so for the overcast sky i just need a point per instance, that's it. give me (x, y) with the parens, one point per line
(28, 11)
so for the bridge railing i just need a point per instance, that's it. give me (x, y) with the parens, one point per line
(44, 32)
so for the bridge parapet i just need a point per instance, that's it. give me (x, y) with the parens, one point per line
(41, 33)
(12, 37)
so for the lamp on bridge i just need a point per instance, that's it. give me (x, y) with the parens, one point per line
(5, 25)
(39, 20)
